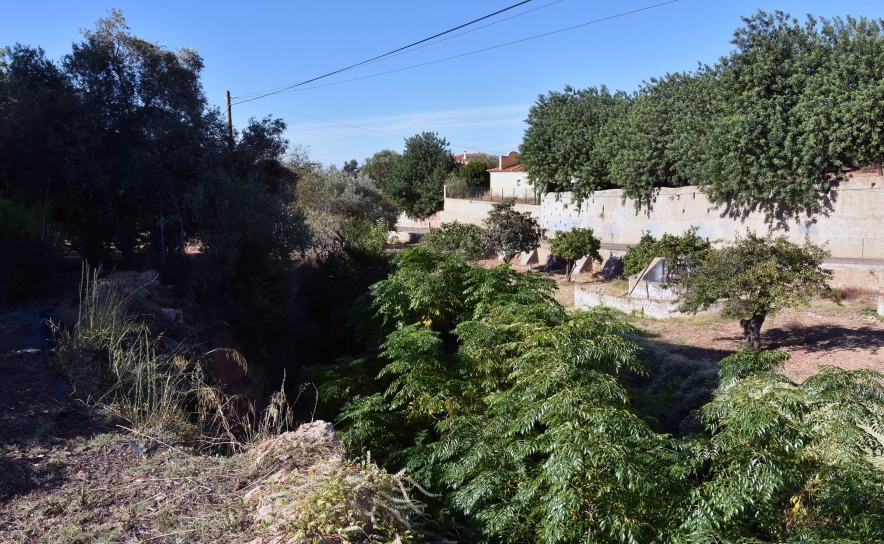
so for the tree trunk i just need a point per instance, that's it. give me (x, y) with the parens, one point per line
(569, 269)
(878, 164)
(752, 331)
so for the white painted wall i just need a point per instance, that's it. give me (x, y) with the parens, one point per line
(853, 229)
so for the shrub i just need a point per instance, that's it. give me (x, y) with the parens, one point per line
(575, 245)
(682, 252)
(456, 237)
(17, 220)
(509, 232)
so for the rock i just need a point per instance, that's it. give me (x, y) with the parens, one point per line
(174, 314)
(880, 305)
(149, 275)
(613, 268)
(142, 293)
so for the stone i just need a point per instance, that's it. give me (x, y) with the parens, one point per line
(880, 305)
(174, 314)
(529, 258)
(142, 293)
(613, 267)
(149, 275)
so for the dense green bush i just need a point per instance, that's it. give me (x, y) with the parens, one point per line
(456, 237)
(682, 251)
(573, 245)
(508, 232)
(517, 413)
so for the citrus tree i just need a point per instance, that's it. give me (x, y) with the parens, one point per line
(756, 276)
(574, 245)
(509, 232)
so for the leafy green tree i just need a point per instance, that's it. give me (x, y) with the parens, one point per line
(574, 245)
(417, 181)
(146, 137)
(756, 277)
(560, 149)
(508, 232)
(656, 142)
(331, 198)
(761, 154)
(852, 83)
(379, 165)
(456, 237)
(682, 252)
(475, 171)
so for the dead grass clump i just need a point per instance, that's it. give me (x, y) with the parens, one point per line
(852, 292)
(119, 366)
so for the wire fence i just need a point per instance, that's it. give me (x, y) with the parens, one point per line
(521, 196)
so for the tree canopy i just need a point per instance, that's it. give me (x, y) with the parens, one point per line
(416, 182)
(508, 232)
(771, 126)
(574, 245)
(756, 276)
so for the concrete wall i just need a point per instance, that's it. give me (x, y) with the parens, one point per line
(475, 211)
(854, 228)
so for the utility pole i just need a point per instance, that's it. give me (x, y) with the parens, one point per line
(229, 122)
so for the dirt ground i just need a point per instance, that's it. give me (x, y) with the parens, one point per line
(848, 335)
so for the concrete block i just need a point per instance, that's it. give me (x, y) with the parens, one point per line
(582, 266)
(880, 305)
(529, 258)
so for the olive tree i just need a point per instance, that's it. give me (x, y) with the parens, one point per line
(574, 245)
(756, 276)
(509, 232)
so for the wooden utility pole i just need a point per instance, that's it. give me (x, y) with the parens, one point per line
(229, 121)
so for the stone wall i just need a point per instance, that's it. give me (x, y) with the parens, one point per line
(853, 229)
(475, 211)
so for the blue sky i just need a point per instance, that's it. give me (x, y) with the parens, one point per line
(477, 102)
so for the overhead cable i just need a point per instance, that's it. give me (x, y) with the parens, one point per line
(287, 90)
(281, 89)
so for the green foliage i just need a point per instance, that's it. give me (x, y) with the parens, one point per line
(769, 127)
(786, 462)
(17, 220)
(756, 277)
(508, 232)
(561, 148)
(332, 199)
(575, 244)
(683, 252)
(379, 166)
(456, 237)
(417, 180)
(249, 239)
(655, 143)
(475, 171)
(484, 387)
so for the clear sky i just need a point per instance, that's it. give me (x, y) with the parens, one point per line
(477, 102)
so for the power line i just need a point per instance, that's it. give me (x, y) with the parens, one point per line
(453, 144)
(474, 52)
(469, 31)
(281, 89)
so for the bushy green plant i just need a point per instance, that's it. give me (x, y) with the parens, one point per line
(456, 237)
(787, 461)
(17, 220)
(508, 232)
(574, 245)
(682, 252)
(756, 276)
(489, 392)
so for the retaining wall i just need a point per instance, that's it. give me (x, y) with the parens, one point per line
(476, 211)
(852, 229)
